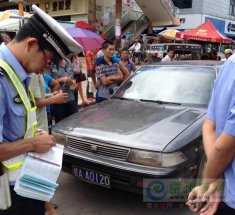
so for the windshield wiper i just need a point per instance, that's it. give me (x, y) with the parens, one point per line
(160, 102)
(122, 98)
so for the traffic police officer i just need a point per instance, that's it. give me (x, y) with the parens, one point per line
(40, 41)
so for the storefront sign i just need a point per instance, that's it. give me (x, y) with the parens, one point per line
(118, 29)
(229, 27)
(63, 7)
(59, 5)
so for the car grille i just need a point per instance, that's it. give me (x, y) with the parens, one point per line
(97, 148)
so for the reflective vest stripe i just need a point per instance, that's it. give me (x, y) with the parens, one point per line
(16, 83)
(13, 166)
(31, 122)
(31, 125)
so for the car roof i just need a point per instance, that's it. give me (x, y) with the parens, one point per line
(210, 63)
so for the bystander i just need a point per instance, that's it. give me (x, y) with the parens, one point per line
(65, 76)
(107, 72)
(127, 62)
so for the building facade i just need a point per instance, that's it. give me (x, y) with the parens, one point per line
(99, 13)
(195, 12)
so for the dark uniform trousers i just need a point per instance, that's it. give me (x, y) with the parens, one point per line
(24, 206)
(224, 209)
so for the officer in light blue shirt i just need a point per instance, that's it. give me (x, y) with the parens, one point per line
(219, 142)
(15, 115)
(221, 111)
(38, 43)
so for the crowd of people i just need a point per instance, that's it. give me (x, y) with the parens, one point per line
(39, 69)
(60, 87)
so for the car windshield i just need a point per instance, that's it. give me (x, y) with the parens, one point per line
(170, 84)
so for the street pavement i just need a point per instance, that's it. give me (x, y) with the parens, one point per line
(74, 197)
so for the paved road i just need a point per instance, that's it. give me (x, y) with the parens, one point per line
(79, 198)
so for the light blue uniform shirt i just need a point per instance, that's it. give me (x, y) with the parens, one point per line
(12, 115)
(221, 110)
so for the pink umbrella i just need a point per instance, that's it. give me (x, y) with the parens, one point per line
(88, 39)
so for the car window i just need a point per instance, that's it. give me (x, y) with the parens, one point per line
(179, 84)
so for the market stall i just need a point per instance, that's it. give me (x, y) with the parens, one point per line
(213, 42)
(156, 52)
(206, 33)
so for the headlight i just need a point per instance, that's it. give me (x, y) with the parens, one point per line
(156, 159)
(60, 138)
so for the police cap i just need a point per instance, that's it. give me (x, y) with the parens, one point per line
(53, 33)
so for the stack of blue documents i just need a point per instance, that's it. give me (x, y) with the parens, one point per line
(39, 173)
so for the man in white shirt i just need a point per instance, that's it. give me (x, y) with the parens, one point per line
(136, 48)
(169, 56)
(227, 54)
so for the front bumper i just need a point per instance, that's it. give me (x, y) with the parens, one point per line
(123, 175)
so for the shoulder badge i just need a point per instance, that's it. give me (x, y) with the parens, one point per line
(1, 72)
(17, 99)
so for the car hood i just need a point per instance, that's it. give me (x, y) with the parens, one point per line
(130, 123)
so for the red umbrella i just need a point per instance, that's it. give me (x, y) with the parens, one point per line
(82, 24)
(205, 32)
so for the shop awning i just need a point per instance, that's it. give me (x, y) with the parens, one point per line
(205, 32)
(170, 34)
(84, 25)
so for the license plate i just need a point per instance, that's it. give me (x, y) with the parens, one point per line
(91, 176)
